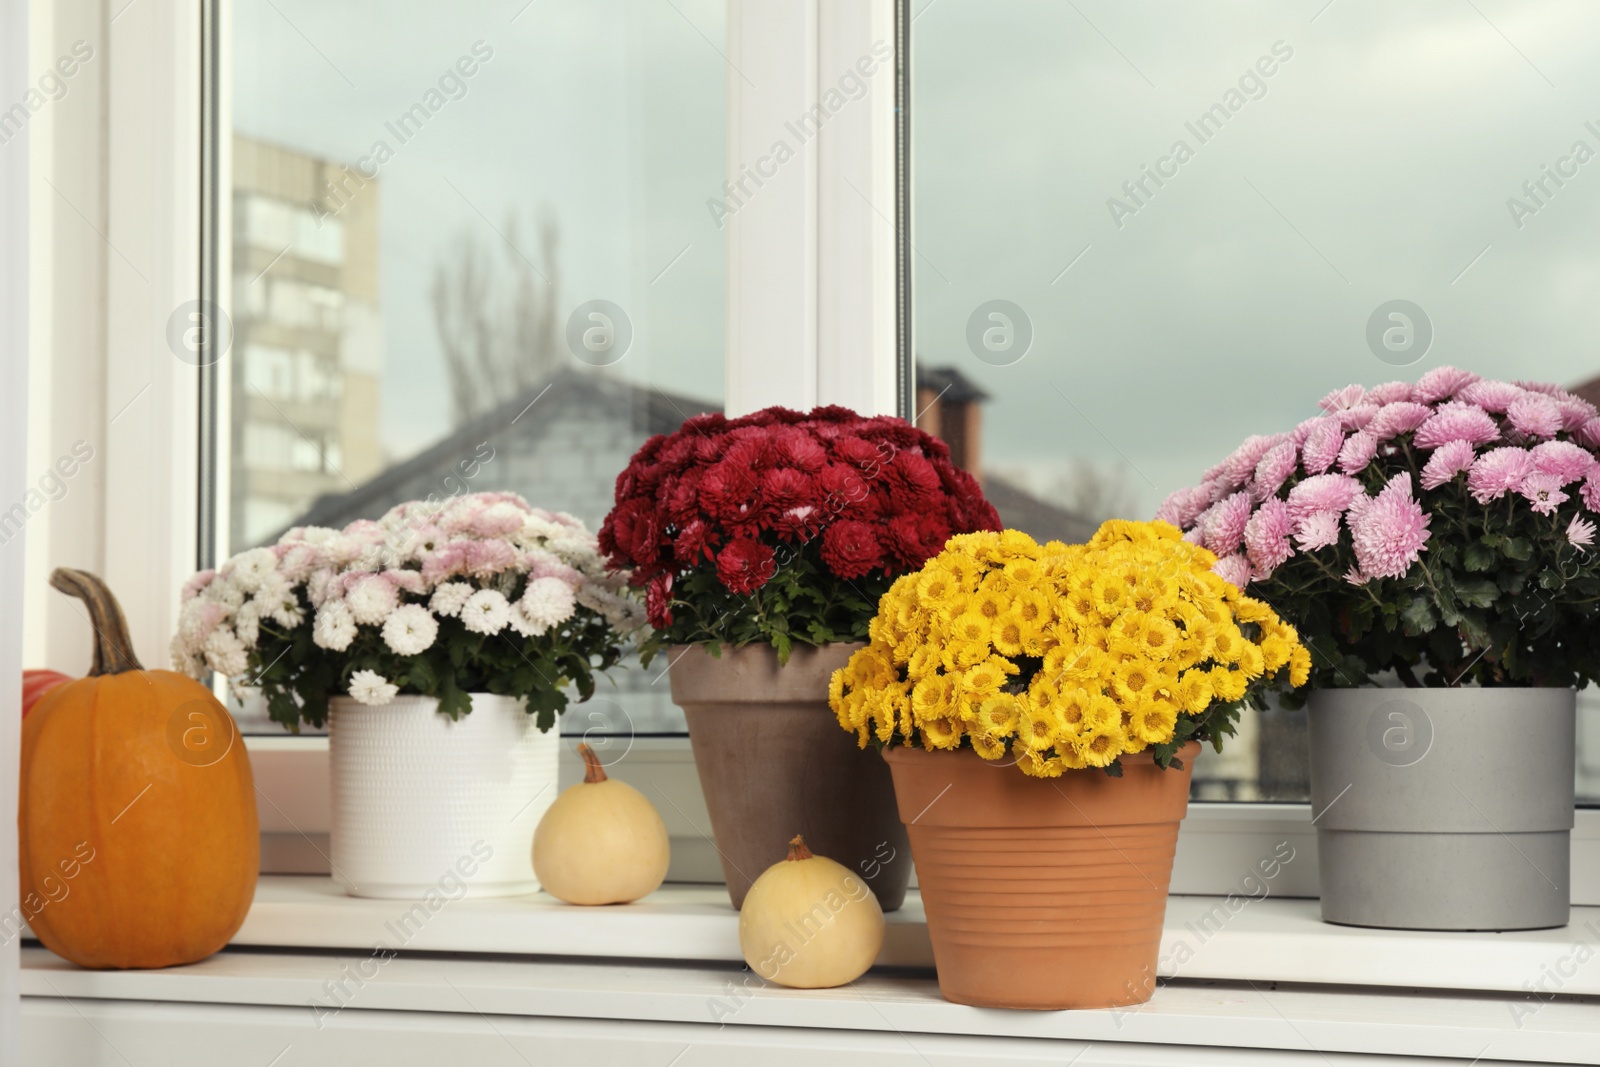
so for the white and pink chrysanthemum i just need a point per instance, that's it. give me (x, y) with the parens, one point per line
(1317, 530)
(1580, 532)
(1446, 462)
(1498, 472)
(1492, 396)
(1390, 534)
(1543, 491)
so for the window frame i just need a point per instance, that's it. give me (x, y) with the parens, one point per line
(814, 315)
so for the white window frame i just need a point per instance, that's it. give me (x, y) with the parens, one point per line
(812, 317)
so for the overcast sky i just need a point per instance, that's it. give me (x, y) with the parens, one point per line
(608, 114)
(1374, 164)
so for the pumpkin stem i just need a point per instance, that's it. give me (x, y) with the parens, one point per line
(592, 770)
(113, 648)
(797, 848)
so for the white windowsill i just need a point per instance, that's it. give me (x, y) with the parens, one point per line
(1271, 940)
(1298, 1025)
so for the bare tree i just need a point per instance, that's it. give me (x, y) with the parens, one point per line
(1086, 489)
(496, 316)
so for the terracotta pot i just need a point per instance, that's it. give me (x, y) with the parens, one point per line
(774, 762)
(1042, 893)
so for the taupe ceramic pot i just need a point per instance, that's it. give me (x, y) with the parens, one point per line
(774, 762)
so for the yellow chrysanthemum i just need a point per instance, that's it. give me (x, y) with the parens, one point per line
(1131, 680)
(1066, 656)
(988, 603)
(1227, 643)
(1078, 606)
(1007, 635)
(1228, 685)
(1100, 745)
(1194, 691)
(934, 696)
(1041, 726)
(1299, 666)
(937, 587)
(940, 732)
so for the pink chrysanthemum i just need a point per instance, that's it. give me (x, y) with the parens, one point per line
(1325, 492)
(1357, 417)
(1491, 396)
(1590, 492)
(1357, 452)
(1580, 532)
(1497, 472)
(1235, 569)
(1535, 415)
(1575, 411)
(1446, 462)
(1299, 434)
(1317, 530)
(1543, 491)
(1237, 468)
(1563, 459)
(1340, 399)
(1390, 393)
(1544, 388)
(1397, 418)
(1457, 422)
(1441, 383)
(1266, 537)
(1183, 506)
(1274, 469)
(1355, 577)
(1391, 532)
(1226, 522)
(1322, 446)
(1588, 433)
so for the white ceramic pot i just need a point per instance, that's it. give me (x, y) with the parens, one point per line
(424, 803)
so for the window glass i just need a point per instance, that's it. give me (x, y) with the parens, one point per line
(1144, 231)
(425, 197)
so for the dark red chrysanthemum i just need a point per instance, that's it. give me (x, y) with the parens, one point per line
(851, 548)
(745, 565)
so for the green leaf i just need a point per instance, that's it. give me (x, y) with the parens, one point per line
(1418, 616)
(1478, 557)
(1477, 592)
(1517, 548)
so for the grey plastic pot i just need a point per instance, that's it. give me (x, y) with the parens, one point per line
(1444, 809)
(774, 763)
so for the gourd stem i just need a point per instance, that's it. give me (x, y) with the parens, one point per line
(113, 648)
(592, 770)
(797, 848)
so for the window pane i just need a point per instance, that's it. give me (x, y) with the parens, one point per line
(428, 201)
(1192, 212)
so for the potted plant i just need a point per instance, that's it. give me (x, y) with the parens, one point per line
(1040, 707)
(1434, 544)
(438, 644)
(763, 544)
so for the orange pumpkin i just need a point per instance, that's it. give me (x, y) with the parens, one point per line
(36, 684)
(140, 843)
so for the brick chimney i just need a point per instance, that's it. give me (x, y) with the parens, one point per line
(950, 408)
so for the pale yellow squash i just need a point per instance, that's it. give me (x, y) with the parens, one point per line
(601, 842)
(810, 923)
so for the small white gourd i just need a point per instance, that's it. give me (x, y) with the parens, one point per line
(601, 842)
(810, 923)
